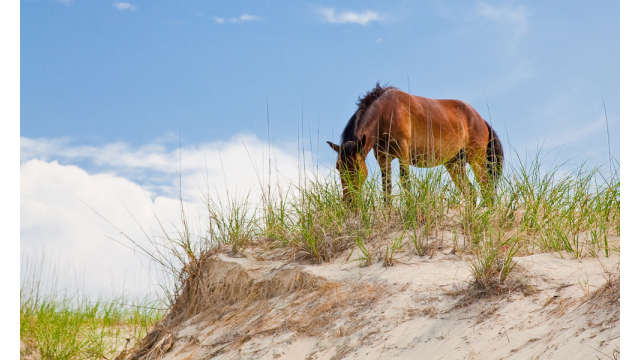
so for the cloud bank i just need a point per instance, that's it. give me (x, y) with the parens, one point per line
(77, 199)
(58, 224)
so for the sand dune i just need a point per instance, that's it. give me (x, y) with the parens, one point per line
(420, 308)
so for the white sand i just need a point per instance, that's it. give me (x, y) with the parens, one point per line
(409, 311)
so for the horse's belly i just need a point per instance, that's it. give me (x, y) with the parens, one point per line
(427, 159)
(431, 156)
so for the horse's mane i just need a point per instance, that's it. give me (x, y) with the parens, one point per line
(363, 103)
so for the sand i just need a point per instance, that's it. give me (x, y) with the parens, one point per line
(420, 308)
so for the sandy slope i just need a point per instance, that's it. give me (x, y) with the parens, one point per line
(418, 309)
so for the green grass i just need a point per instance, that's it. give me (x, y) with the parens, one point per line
(493, 261)
(365, 254)
(575, 214)
(394, 245)
(66, 329)
(55, 326)
(231, 222)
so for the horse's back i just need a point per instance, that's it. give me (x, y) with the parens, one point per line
(434, 111)
(437, 129)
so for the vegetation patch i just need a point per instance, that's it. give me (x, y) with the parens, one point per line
(66, 329)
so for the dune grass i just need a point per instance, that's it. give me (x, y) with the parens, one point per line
(69, 327)
(575, 214)
(542, 212)
(89, 330)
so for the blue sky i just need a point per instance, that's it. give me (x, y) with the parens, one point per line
(97, 74)
(110, 89)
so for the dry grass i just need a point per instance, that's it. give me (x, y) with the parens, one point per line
(517, 283)
(248, 305)
(608, 295)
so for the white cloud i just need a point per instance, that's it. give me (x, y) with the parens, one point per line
(57, 222)
(247, 17)
(124, 6)
(516, 17)
(129, 186)
(236, 165)
(345, 17)
(236, 19)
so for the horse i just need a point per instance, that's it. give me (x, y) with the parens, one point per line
(421, 132)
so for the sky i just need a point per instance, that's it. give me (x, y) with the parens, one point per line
(118, 98)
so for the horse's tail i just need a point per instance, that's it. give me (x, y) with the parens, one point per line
(495, 155)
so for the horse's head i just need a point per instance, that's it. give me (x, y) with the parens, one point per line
(351, 165)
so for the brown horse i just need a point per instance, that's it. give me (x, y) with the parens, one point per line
(421, 132)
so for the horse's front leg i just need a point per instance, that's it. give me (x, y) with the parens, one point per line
(385, 169)
(405, 160)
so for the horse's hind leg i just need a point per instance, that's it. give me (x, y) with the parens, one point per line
(478, 165)
(456, 169)
(404, 176)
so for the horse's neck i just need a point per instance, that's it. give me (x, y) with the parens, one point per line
(369, 129)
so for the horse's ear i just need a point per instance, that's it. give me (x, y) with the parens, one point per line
(361, 143)
(334, 146)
